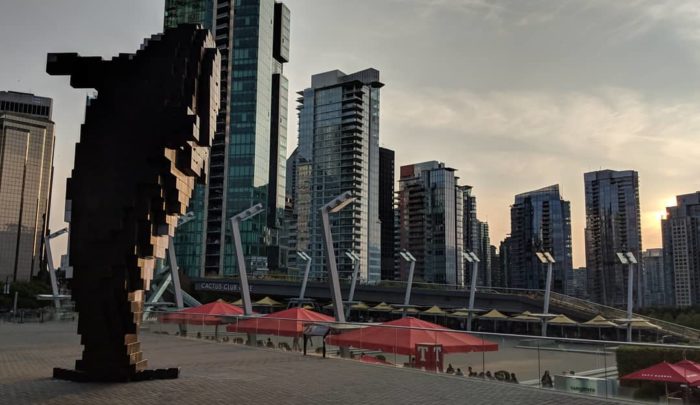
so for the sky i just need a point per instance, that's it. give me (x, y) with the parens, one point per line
(515, 95)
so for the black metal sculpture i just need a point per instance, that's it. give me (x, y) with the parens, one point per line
(142, 146)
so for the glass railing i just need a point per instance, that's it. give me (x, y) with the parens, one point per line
(576, 366)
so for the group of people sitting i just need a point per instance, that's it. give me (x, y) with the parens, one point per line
(501, 375)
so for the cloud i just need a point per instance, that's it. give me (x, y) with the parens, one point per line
(508, 142)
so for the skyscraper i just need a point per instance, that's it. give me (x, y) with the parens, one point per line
(681, 241)
(248, 156)
(339, 137)
(476, 238)
(26, 171)
(656, 293)
(540, 220)
(430, 222)
(612, 226)
(386, 212)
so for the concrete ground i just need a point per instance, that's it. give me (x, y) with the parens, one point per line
(215, 373)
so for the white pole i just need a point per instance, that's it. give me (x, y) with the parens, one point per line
(52, 272)
(407, 296)
(630, 284)
(306, 279)
(333, 278)
(174, 275)
(245, 291)
(547, 291)
(472, 293)
(356, 270)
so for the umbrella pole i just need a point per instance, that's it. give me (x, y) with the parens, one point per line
(216, 332)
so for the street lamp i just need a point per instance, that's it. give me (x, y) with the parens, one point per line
(355, 259)
(236, 227)
(546, 258)
(408, 257)
(303, 256)
(334, 206)
(49, 262)
(628, 259)
(473, 259)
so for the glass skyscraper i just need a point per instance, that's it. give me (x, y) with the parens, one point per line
(26, 170)
(540, 221)
(612, 225)
(339, 138)
(248, 156)
(681, 241)
(430, 222)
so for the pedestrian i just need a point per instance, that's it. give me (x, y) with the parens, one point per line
(470, 372)
(547, 380)
(488, 375)
(450, 370)
(459, 372)
(513, 379)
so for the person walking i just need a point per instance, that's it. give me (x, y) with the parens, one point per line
(547, 380)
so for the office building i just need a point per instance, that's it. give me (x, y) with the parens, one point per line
(339, 138)
(476, 238)
(248, 155)
(579, 283)
(540, 220)
(656, 293)
(681, 246)
(26, 171)
(504, 259)
(430, 222)
(498, 277)
(612, 226)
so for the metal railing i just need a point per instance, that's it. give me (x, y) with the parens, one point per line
(588, 364)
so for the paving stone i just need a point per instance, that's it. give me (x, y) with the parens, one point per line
(212, 373)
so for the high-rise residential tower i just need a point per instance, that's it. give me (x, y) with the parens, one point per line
(540, 220)
(681, 241)
(26, 171)
(339, 137)
(248, 155)
(386, 212)
(612, 226)
(430, 222)
(476, 237)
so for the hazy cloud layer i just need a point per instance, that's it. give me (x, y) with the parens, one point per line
(515, 94)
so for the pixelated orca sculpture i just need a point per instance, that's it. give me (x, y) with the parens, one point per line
(143, 145)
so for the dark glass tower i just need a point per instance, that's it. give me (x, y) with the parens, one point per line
(540, 221)
(612, 226)
(386, 212)
(247, 164)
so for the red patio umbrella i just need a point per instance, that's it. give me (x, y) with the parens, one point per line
(289, 322)
(665, 372)
(207, 314)
(690, 365)
(402, 335)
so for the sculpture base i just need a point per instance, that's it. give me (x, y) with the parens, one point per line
(81, 376)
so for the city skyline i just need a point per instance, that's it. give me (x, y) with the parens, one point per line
(623, 99)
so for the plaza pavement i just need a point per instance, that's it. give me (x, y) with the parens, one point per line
(215, 373)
